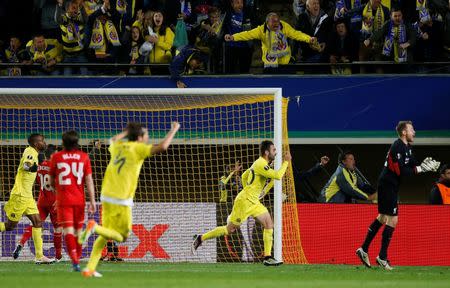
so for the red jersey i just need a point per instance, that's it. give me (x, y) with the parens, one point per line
(69, 168)
(46, 192)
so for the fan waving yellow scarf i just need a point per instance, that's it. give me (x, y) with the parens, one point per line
(121, 6)
(99, 33)
(90, 6)
(372, 24)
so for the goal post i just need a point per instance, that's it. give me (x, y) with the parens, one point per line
(178, 192)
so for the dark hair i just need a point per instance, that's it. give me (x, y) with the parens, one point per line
(198, 56)
(134, 130)
(50, 150)
(396, 8)
(443, 168)
(401, 126)
(70, 140)
(163, 28)
(343, 155)
(33, 138)
(213, 10)
(265, 146)
(39, 34)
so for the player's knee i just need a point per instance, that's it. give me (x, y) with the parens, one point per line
(9, 226)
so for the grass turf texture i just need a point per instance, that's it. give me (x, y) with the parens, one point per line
(187, 275)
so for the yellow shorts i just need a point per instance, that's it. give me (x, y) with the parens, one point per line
(117, 218)
(243, 208)
(17, 206)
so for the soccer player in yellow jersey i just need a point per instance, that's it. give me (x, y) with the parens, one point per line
(247, 202)
(118, 187)
(21, 201)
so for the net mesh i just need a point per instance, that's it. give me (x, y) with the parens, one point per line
(179, 192)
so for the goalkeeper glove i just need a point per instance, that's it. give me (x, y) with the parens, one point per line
(428, 165)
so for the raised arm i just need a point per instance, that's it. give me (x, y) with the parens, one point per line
(165, 143)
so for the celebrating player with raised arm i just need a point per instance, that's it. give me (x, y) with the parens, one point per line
(400, 162)
(70, 170)
(21, 201)
(247, 202)
(119, 186)
(46, 205)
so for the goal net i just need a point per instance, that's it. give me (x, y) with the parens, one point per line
(181, 192)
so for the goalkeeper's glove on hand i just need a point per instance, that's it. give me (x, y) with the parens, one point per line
(428, 165)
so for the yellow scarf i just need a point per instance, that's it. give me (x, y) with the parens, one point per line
(90, 6)
(372, 24)
(121, 6)
(134, 53)
(99, 31)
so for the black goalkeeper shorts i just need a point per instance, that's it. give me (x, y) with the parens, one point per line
(387, 198)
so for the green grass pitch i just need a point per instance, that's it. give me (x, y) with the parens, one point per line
(187, 275)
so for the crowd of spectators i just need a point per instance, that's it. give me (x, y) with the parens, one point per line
(220, 36)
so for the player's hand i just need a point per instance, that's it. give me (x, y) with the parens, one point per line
(324, 160)
(367, 42)
(373, 196)
(92, 207)
(175, 126)
(287, 156)
(180, 84)
(229, 38)
(428, 165)
(237, 166)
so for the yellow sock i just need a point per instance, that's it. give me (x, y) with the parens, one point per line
(108, 233)
(223, 196)
(268, 241)
(215, 233)
(37, 239)
(96, 253)
(2, 227)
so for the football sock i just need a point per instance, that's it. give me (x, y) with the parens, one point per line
(215, 233)
(26, 235)
(79, 249)
(96, 253)
(37, 239)
(2, 227)
(373, 230)
(268, 241)
(387, 235)
(57, 242)
(108, 233)
(71, 247)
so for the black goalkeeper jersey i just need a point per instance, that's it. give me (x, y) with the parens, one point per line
(400, 162)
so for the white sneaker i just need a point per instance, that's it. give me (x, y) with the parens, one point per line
(88, 273)
(384, 263)
(44, 260)
(363, 256)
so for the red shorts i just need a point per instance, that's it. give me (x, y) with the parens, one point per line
(45, 210)
(71, 216)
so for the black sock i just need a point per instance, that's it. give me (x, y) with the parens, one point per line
(373, 230)
(387, 235)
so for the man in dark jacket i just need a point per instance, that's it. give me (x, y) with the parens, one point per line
(188, 60)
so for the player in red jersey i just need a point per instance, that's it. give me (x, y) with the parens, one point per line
(46, 205)
(70, 170)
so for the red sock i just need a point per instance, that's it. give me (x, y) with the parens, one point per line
(57, 241)
(71, 246)
(79, 250)
(26, 235)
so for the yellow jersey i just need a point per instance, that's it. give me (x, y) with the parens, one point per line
(255, 178)
(23, 185)
(122, 174)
